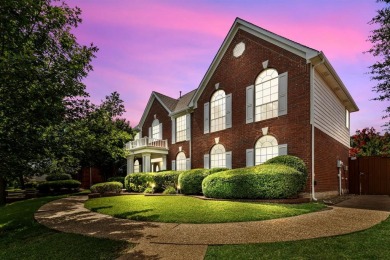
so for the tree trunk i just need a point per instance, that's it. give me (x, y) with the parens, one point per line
(21, 182)
(3, 195)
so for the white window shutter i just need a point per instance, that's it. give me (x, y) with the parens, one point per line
(229, 111)
(206, 117)
(282, 149)
(150, 132)
(188, 164)
(173, 130)
(173, 165)
(161, 132)
(206, 161)
(249, 104)
(283, 82)
(250, 157)
(228, 160)
(188, 127)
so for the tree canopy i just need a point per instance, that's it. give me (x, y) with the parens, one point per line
(380, 70)
(41, 70)
(368, 142)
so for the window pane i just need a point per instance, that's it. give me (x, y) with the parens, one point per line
(266, 95)
(181, 128)
(218, 111)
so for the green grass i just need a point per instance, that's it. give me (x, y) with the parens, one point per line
(21, 237)
(182, 209)
(373, 243)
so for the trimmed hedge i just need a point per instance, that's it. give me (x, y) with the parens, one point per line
(272, 181)
(138, 182)
(113, 186)
(293, 162)
(170, 190)
(165, 179)
(48, 186)
(190, 181)
(117, 178)
(58, 177)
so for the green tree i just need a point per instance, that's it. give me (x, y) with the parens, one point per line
(380, 70)
(41, 72)
(368, 142)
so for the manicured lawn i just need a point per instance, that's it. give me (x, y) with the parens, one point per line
(183, 209)
(21, 237)
(373, 243)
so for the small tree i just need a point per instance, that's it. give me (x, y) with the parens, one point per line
(368, 142)
(380, 49)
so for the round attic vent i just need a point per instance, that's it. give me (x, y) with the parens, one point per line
(239, 49)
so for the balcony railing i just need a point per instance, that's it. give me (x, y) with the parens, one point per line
(147, 142)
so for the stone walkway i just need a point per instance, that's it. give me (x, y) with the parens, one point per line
(189, 241)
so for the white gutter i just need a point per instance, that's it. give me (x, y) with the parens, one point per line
(313, 196)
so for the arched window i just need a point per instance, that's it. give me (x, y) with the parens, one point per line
(136, 166)
(266, 96)
(218, 156)
(218, 111)
(181, 162)
(266, 148)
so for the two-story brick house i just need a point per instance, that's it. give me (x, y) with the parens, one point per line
(262, 96)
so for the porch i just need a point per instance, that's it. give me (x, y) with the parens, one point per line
(147, 155)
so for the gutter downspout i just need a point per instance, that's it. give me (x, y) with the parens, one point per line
(312, 125)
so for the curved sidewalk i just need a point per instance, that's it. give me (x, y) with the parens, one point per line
(189, 241)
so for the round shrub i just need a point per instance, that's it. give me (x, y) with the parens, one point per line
(58, 177)
(163, 180)
(272, 181)
(292, 161)
(137, 182)
(117, 178)
(105, 187)
(48, 186)
(190, 181)
(169, 190)
(289, 160)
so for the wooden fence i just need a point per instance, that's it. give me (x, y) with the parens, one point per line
(369, 175)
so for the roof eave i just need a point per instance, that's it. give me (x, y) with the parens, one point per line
(336, 84)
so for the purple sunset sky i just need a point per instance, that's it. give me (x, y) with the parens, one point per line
(167, 46)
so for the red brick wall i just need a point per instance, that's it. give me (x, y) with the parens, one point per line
(234, 75)
(162, 115)
(326, 153)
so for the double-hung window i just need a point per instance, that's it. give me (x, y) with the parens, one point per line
(181, 133)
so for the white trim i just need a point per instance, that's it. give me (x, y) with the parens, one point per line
(152, 97)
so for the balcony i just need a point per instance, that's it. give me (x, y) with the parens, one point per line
(147, 142)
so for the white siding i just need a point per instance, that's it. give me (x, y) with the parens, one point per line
(329, 112)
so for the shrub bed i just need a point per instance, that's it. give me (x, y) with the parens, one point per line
(165, 179)
(49, 186)
(138, 182)
(272, 181)
(105, 187)
(117, 178)
(58, 177)
(190, 181)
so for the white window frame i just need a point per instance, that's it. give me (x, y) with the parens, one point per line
(181, 128)
(218, 111)
(347, 118)
(266, 95)
(181, 162)
(218, 156)
(266, 148)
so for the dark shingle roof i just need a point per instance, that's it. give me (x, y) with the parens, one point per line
(176, 105)
(169, 102)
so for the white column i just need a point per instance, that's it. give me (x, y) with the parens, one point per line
(146, 162)
(164, 163)
(130, 164)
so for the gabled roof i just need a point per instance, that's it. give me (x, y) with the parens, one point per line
(171, 105)
(301, 50)
(189, 100)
